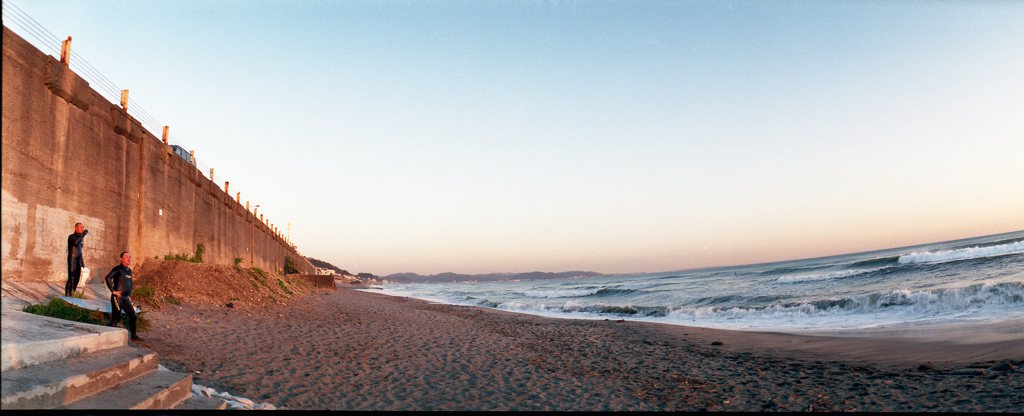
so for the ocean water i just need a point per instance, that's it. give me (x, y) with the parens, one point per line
(977, 280)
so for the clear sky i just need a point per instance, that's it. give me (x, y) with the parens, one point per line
(614, 136)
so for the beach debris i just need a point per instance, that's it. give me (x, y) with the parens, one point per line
(1004, 365)
(926, 367)
(233, 402)
(717, 343)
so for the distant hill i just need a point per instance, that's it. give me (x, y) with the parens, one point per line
(492, 277)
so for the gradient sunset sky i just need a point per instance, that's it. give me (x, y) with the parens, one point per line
(614, 136)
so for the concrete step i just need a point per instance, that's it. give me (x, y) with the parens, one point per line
(29, 339)
(200, 402)
(57, 383)
(160, 389)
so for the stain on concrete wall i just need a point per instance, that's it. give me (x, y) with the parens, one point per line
(12, 236)
(51, 237)
(70, 156)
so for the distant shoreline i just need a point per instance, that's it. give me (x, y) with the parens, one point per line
(953, 344)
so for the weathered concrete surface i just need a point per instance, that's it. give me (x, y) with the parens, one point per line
(161, 389)
(18, 294)
(319, 281)
(70, 156)
(32, 339)
(52, 363)
(58, 383)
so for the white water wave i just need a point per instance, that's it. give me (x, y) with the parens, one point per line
(974, 298)
(968, 253)
(561, 293)
(815, 277)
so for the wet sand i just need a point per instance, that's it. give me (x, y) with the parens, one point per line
(352, 350)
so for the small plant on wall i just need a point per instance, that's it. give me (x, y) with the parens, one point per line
(289, 266)
(195, 258)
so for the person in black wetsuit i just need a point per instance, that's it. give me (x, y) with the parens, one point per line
(75, 260)
(119, 281)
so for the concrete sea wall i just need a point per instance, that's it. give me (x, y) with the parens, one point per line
(71, 156)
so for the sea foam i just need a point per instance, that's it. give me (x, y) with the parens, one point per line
(968, 253)
(920, 303)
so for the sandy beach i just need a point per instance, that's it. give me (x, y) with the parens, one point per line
(353, 350)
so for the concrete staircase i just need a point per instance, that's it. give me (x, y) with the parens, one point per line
(50, 363)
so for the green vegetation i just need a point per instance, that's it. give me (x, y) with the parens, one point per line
(58, 308)
(280, 283)
(289, 266)
(238, 260)
(141, 323)
(198, 258)
(259, 276)
(195, 258)
(145, 292)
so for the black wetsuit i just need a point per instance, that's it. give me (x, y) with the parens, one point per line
(75, 262)
(120, 278)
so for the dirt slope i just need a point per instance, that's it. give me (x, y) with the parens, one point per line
(204, 284)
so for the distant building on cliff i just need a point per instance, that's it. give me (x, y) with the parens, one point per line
(326, 271)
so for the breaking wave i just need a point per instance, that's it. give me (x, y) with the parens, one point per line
(583, 292)
(926, 303)
(881, 261)
(627, 310)
(921, 303)
(967, 253)
(562, 293)
(577, 308)
(817, 277)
